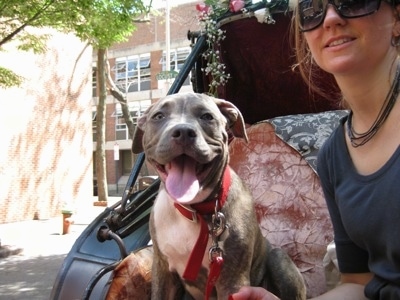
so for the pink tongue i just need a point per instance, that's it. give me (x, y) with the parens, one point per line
(182, 183)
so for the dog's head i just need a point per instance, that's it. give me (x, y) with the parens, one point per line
(185, 137)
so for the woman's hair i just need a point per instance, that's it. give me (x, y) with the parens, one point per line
(304, 61)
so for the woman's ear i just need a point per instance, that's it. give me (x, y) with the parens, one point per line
(396, 27)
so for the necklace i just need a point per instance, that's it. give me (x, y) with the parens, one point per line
(359, 139)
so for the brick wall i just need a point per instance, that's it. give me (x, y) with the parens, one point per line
(45, 125)
(156, 67)
(148, 38)
(182, 18)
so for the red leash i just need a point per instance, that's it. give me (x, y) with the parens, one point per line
(215, 270)
(195, 213)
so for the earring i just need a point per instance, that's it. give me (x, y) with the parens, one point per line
(396, 29)
(395, 41)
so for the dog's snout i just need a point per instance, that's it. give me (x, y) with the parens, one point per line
(184, 134)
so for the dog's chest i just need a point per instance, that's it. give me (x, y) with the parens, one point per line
(176, 235)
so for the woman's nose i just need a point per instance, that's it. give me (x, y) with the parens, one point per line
(332, 17)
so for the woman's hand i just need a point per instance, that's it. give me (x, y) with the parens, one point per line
(253, 293)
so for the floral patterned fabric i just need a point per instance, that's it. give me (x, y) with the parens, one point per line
(306, 133)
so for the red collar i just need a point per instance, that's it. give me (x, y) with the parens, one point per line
(195, 213)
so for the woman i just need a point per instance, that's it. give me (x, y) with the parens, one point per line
(359, 166)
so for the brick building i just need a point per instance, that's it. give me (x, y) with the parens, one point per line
(46, 158)
(135, 66)
(46, 141)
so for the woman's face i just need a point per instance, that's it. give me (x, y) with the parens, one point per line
(343, 46)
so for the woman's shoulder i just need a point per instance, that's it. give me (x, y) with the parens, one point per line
(335, 143)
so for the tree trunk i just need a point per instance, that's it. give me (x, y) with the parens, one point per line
(121, 97)
(101, 128)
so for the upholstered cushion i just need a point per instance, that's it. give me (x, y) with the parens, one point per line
(132, 277)
(290, 205)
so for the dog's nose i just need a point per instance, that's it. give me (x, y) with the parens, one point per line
(184, 134)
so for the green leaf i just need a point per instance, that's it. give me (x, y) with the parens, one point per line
(8, 78)
(100, 22)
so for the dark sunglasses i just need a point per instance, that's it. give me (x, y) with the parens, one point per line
(312, 12)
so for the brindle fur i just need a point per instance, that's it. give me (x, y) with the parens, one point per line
(249, 258)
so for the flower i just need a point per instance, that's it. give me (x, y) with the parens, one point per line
(202, 8)
(214, 67)
(209, 13)
(236, 5)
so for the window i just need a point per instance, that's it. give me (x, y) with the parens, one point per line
(127, 161)
(94, 125)
(121, 132)
(94, 81)
(136, 109)
(177, 59)
(132, 73)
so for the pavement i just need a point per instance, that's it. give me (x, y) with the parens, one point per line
(32, 252)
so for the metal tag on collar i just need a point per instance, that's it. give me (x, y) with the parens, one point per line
(218, 224)
(214, 253)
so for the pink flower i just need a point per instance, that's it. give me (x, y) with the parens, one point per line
(202, 8)
(236, 5)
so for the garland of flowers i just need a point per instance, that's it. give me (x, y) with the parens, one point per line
(210, 12)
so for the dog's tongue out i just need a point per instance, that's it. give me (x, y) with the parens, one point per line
(182, 183)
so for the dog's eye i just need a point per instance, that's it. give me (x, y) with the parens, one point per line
(207, 117)
(158, 116)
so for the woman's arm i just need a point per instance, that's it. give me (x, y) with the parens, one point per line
(253, 293)
(344, 291)
(351, 288)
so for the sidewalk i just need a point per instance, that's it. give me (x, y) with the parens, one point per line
(44, 237)
(33, 251)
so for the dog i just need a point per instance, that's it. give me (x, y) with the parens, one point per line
(203, 226)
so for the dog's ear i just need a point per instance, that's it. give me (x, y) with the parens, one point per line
(137, 139)
(234, 116)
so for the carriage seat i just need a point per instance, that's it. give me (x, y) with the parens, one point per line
(278, 165)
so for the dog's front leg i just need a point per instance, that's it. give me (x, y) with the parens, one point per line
(285, 281)
(165, 285)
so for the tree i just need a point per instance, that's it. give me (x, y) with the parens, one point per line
(121, 97)
(100, 22)
(121, 14)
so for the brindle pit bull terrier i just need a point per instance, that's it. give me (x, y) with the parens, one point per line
(203, 225)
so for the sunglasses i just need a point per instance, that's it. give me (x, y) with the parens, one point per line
(312, 12)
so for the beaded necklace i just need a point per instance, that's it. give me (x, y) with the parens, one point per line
(359, 139)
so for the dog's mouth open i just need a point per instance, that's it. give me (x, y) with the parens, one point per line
(183, 176)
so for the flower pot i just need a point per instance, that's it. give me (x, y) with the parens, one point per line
(66, 221)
